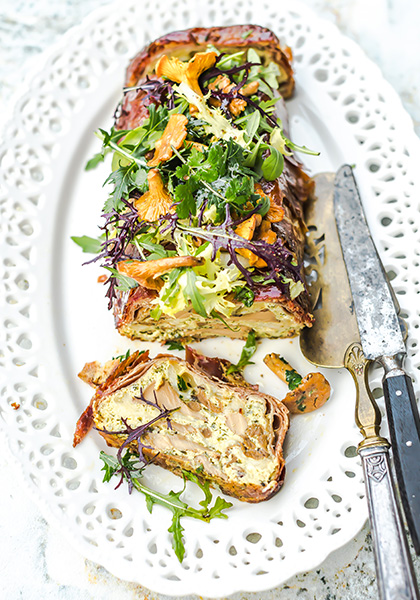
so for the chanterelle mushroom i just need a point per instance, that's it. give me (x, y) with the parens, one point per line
(156, 202)
(189, 72)
(275, 213)
(147, 272)
(246, 230)
(306, 394)
(174, 136)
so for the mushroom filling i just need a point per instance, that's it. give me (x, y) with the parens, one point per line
(215, 429)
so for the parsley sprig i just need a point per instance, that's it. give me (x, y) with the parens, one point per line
(293, 379)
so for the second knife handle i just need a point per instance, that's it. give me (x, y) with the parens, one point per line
(396, 579)
(404, 428)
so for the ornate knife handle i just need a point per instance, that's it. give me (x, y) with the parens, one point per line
(394, 568)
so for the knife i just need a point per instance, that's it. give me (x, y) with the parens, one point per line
(334, 342)
(382, 340)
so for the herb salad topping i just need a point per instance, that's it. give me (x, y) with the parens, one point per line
(186, 188)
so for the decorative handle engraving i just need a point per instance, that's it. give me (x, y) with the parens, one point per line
(368, 417)
(376, 467)
(396, 579)
(355, 360)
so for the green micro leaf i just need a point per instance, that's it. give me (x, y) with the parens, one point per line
(174, 345)
(252, 124)
(247, 352)
(272, 166)
(94, 161)
(191, 293)
(122, 357)
(88, 244)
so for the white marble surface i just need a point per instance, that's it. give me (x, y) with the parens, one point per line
(36, 561)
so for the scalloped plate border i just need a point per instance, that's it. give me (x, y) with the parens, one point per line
(381, 180)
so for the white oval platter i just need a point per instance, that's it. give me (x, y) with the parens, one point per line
(54, 315)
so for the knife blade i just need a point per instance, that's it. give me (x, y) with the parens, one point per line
(381, 340)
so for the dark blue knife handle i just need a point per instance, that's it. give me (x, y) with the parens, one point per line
(404, 426)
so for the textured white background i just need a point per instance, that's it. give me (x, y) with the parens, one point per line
(36, 562)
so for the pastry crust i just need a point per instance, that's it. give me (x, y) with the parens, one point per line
(183, 44)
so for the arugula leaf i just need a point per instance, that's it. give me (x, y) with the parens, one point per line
(88, 244)
(293, 379)
(180, 509)
(112, 137)
(177, 531)
(247, 352)
(174, 345)
(94, 161)
(204, 485)
(121, 178)
(230, 60)
(172, 500)
(125, 283)
(302, 149)
(111, 465)
(145, 242)
(218, 316)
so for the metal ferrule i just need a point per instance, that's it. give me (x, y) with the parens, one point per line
(393, 365)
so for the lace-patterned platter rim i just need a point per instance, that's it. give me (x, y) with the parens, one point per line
(51, 325)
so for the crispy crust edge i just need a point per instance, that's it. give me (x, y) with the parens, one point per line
(234, 36)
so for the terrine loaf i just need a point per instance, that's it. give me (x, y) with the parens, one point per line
(204, 228)
(220, 427)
